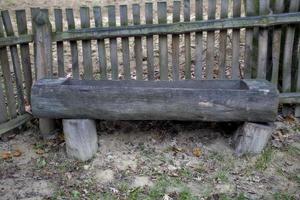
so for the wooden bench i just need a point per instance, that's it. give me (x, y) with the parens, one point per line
(204, 100)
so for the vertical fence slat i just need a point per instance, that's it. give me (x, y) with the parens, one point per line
(250, 11)
(210, 41)
(7, 78)
(163, 41)
(25, 52)
(125, 43)
(73, 44)
(263, 42)
(48, 43)
(100, 44)
(223, 41)
(86, 44)
(199, 40)
(149, 39)
(187, 40)
(175, 42)
(288, 50)
(43, 60)
(3, 111)
(34, 12)
(16, 61)
(276, 43)
(235, 70)
(3, 108)
(138, 51)
(59, 45)
(113, 43)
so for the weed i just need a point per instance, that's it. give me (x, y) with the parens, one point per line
(283, 196)
(265, 158)
(222, 175)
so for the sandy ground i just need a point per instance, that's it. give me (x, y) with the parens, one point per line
(153, 160)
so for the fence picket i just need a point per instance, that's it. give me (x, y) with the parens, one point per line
(125, 43)
(250, 11)
(73, 44)
(163, 41)
(113, 44)
(86, 44)
(263, 42)
(235, 70)
(25, 52)
(223, 42)
(138, 51)
(100, 44)
(210, 41)
(288, 51)
(187, 40)
(16, 62)
(149, 40)
(7, 78)
(59, 45)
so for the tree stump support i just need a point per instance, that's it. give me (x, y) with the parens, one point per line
(251, 138)
(81, 138)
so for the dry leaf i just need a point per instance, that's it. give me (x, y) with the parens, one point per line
(6, 155)
(17, 153)
(197, 152)
(40, 151)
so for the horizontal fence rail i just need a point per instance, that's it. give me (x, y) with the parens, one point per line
(156, 41)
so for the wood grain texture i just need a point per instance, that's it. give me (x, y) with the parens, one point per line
(14, 123)
(125, 43)
(3, 107)
(59, 45)
(180, 28)
(207, 100)
(149, 41)
(263, 42)
(288, 51)
(16, 62)
(235, 68)
(163, 42)
(223, 42)
(7, 78)
(73, 44)
(210, 49)
(100, 44)
(25, 52)
(113, 44)
(43, 59)
(187, 40)
(138, 51)
(86, 44)
(276, 43)
(176, 42)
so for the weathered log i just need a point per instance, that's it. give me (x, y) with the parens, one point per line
(206, 100)
(252, 138)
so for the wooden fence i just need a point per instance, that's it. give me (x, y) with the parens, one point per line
(156, 41)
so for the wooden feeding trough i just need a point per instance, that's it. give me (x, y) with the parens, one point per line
(205, 100)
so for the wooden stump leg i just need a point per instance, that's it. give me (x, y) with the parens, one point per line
(47, 128)
(81, 138)
(252, 138)
(297, 111)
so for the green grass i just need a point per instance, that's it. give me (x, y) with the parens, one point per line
(222, 175)
(264, 159)
(283, 196)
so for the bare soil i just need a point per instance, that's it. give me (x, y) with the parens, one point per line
(153, 160)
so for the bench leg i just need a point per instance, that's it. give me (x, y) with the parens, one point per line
(81, 138)
(251, 138)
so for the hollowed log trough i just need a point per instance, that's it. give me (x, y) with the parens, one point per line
(205, 100)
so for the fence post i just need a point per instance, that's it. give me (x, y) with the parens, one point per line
(43, 60)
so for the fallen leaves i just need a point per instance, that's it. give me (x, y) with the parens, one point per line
(6, 155)
(197, 152)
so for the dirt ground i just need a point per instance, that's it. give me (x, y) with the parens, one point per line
(152, 160)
